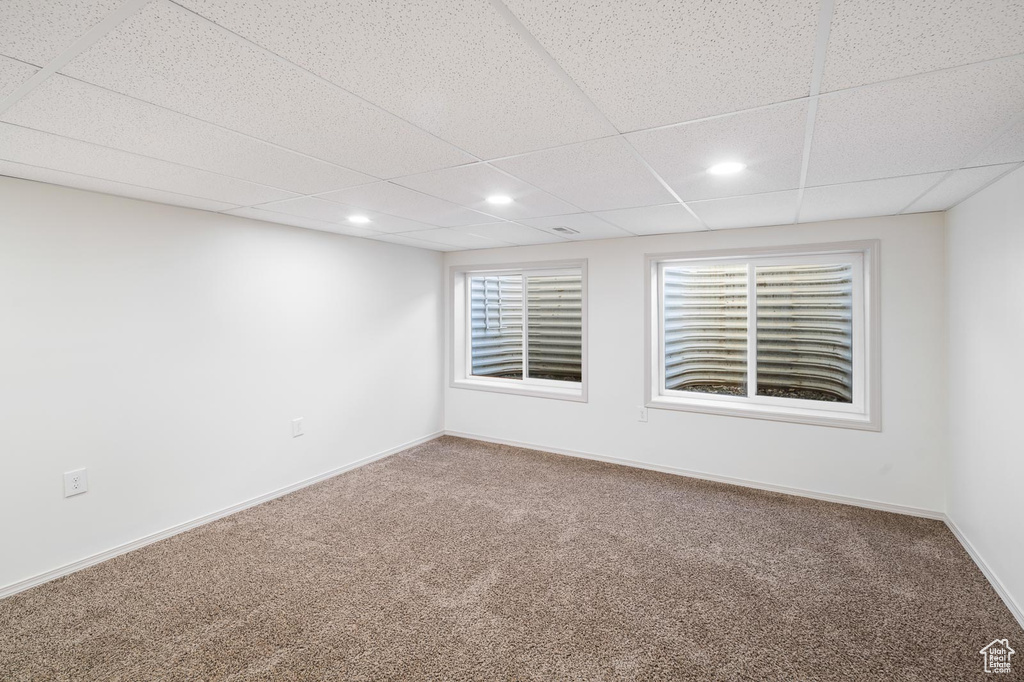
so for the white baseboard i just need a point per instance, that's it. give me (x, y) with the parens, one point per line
(987, 571)
(67, 569)
(746, 483)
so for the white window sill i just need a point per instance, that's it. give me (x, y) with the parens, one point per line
(847, 420)
(573, 392)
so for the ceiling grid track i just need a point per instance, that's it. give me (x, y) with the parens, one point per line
(818, 71)
(535, 44)
(965, 163)
(90, 38)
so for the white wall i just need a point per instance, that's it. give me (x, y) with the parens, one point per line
(904, 464)
(167, 350)
(986, 370)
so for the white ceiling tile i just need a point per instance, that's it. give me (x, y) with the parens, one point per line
(37, 31)
(927, 123)
(462, 240)
(299, 221)
(35, 148)
(653, 62)
(55, 177)
(169, 56)
(386, 197)
(333, 212)
(409, 240)
(510, 233)
(653, 219)
(82, 111)
(863, 199)
(454, 67)
(957, 187)
(596, 176)
(876, 40)
(470, 185)
(756, 210)
(770, 141)
(1009, 148)
(12, 74)
(587, 226)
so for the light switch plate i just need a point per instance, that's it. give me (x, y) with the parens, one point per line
(297, 429)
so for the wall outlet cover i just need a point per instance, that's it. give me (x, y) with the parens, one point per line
(76, 482)
(642, 414)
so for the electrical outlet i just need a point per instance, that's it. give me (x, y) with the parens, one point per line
(297, 429)
(76, 482)
(642, 415)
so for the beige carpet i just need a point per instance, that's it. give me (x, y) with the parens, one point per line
(468, 561)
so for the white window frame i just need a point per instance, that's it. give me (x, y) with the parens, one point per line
(461, 356)
(865, 410)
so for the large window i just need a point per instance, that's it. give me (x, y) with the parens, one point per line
(783, 334)
(522, 329)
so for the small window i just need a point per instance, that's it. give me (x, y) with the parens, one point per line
(785, 335)
(522, 329)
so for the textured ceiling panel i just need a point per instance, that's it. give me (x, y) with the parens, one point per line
(927, 123)
(409, 240)
(85, 112)
(332, 212)
(769, 141)
(54, 177)
(1007, 148)
(586, 225)
(876, 40)
(35, 148)
(299, 221)
(597, 175)
(12, 74)
(36, 31)
(470, 185)
(653, 62)
(511, 233)
(462, 240)
(863, 199)
(169, 56)
(386, 197)
(653, 219)
(773, 208)
(957, 187)
(454, 67)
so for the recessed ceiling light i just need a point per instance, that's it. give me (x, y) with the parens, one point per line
(499, 199)
(358, 219)
(727, 168)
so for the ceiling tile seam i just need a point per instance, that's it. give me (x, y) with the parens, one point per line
(293, 65)
(496, 218)
(912, 76)
(84, 42)
(155, 158)
(261, 206)
(964, 164)
(991, 182)
(233, 132)
(825, 15)
(233, 205)
(553, 64)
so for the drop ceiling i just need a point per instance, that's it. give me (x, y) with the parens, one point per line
(600, 116)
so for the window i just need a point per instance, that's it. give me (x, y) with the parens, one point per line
(783, 334)
(521, 329)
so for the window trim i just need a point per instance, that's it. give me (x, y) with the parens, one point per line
(460, 358)
(866, 416)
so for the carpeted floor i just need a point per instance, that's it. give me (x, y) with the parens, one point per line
(460, 560)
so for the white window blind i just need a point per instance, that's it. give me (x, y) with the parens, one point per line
(780, 336)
